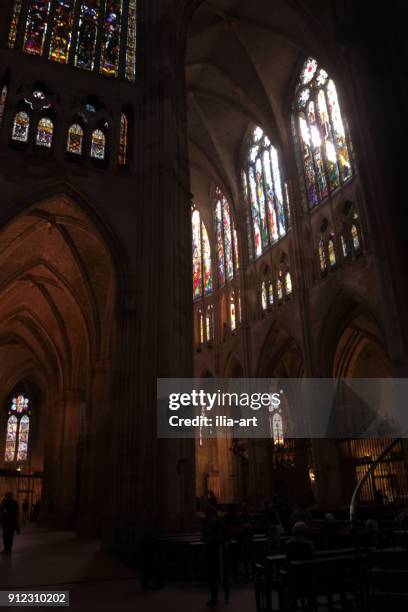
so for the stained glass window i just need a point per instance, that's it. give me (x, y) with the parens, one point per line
(265, 193)
(325, 147)
(36, 26)
(264, 296)
(332, 253)
(239, 307)
(14, 23)
(355, 237)
(3, 98)
(344, 246)
(123, 140)
(201, 325)
(45, 131)
(270, 293)
(61, 37)
(110, 48)
(18, 427)
(209, 322)
(75, 139)
(279, 289)
(232, 309)
(21, 126)
(322, 256)
(87, 33)
(288, 283)
(202, 267)
(130, 70)
(277, 429)
(227, 239)
(98, 142)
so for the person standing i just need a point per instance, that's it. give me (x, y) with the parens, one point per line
(9, 521)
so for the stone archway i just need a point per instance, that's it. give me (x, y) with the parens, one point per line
(57, 302)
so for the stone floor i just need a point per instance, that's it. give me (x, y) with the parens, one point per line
(59, 561)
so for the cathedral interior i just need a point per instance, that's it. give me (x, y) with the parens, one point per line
(197, 189)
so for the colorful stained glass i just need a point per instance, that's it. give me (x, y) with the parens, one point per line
(277, 429)
(130, 70)
(233, 318)
(288, 284)
(14, 23)
(201, 325)
(209, 322)
(110, 46)
(21, 127)
(197, 259)
(24, 429)
(75, 139)
(11, 439)
(322, 257)
(123, 140)
(344, 246)
(220, 243)
(325, 150)
(270, 293)
(263, 188)
(87, 33)
(3, 98)
(332, 253)
(98, 142)
(236, 250)
(45, 132)
(207, 267)
(36, 26)
(279, 289)
(19, 404)
(355, 238)
(229, 261)
(264, 296)
(61, 37)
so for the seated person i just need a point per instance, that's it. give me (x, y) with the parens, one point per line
(299, 547)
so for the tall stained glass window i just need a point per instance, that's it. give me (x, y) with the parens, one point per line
(98, 142)
(75, 139)
(265, 193)
(36, 26)
(18, 429)
(110, 48)
(14, 23)
(3, 99)
(233, 311)
(45, 132)
(264, 296)
(61, 36)
(21, 127)
(130, 70)
(87, 33)
(324, 145)
(202, 268)
(123, 140)
(227, 239)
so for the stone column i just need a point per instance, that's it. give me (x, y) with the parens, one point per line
(149, 478)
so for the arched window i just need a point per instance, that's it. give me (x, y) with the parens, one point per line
(110, 48)
(87, 32)
(61, 37)
(288, 284)
(264, 296)
(123, 140)
(209, 322)
(279, 289)
(270, 293)
(265, 193)
(323, 142)
(344, 246)
(202, 268)
(21, 127)
(18, 428)
(36, 26)
(3, 98)
(277, 429)
(322, 256)
(45, 132)
(75, 139)
(201, 325)
(331, 251)
(232, 311)
(98, 142)
(355, 238)
(227, 240)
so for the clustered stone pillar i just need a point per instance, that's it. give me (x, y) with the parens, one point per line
(153, 479)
